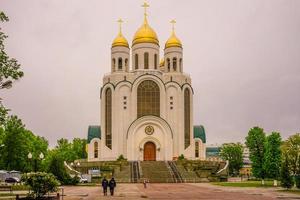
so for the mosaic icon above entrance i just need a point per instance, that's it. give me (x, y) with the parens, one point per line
(149, 130)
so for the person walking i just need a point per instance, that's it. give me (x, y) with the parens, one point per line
(112, 184)
(145, 183)
(104, 186)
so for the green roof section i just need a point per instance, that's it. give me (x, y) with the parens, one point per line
(213, 151)
(199, 132)
(93, 132)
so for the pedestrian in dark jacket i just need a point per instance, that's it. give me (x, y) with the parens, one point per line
(104, 186)
(112, 184)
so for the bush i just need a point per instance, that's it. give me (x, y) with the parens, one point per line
(41, 183)
(121, 158)
(286, 178)
(181, 157)
(297, 180)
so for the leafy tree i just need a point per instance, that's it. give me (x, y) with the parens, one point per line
(71, 151)
(14, 152)
(273, 156)
(35, 145)
(79, 148)
(291, 148)
(1, 136)
(9, 67)
(3, 114)
(16, 142)
(255, 141)
(234, 154)
(286, 178)
(57, 168)
(297, 181)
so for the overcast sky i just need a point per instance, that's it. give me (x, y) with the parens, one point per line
(243, 57)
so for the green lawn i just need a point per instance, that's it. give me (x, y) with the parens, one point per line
(245, 184)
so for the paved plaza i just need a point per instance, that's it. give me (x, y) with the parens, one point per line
(177, 191)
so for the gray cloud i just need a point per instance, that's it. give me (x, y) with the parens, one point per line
(243, 57)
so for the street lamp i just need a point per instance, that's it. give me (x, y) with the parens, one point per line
(30, 156)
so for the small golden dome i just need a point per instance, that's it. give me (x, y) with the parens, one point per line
(173, 40)
(145, 34)
(120, 40)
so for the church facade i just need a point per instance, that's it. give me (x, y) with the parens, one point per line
(146, 103)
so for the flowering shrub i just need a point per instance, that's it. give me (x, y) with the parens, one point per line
(41, 183)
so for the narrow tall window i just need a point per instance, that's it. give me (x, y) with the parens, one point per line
(197, 149)
(169, 64)
(113, 64)
(126, 64)
(120, 64)
(148, 99)
(155, 61)
(180, 64)
(146, 60)
(187, 120)
(108, 118)
(136, 61)
(175, 64)
(95, 149)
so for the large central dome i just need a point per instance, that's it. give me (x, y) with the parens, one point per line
(145, 34)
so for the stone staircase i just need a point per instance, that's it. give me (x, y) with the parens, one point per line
(156, 172)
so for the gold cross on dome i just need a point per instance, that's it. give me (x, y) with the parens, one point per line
(120, 21)
(173, 22)
(145, 5)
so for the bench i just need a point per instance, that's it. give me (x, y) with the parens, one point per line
(6, 188)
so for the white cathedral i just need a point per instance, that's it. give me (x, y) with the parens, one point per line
(146, 105)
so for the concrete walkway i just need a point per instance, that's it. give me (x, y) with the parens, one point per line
(176, 191)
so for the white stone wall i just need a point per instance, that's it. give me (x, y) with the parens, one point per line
(140, 49)
(128, 132)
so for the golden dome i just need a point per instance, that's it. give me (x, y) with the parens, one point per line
(145, 34)
(120, 40)
(173, 40)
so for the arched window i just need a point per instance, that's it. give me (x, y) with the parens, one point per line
(175, 64)
(155, 61)
(180, 64)
(169, 64)
(197, 149)
(113, 64)
(120, 64)
(187, 120)
(148, 99)
(146, 60)
(108, 118)
(126, 62)
(136, 61)
(95, 149)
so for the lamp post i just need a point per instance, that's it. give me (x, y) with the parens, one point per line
(30, 157)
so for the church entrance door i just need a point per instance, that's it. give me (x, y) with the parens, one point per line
(149, 151)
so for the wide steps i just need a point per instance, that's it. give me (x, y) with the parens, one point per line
(156, 172)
